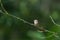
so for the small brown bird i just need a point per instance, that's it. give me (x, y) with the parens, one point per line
(36, 24)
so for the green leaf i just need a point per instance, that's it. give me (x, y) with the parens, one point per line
(36, 35)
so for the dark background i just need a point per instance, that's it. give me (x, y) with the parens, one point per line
(13, 29)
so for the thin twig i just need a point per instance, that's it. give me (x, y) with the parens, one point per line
(54, 21)
(15, 16)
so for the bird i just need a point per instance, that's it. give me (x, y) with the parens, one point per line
(37, 25)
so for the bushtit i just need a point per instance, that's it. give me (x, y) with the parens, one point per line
(36, 24)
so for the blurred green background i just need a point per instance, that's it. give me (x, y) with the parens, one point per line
(13, 29)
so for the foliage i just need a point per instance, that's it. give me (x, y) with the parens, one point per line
(17, 16)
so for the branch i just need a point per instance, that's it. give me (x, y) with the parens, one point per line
(54, 21)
